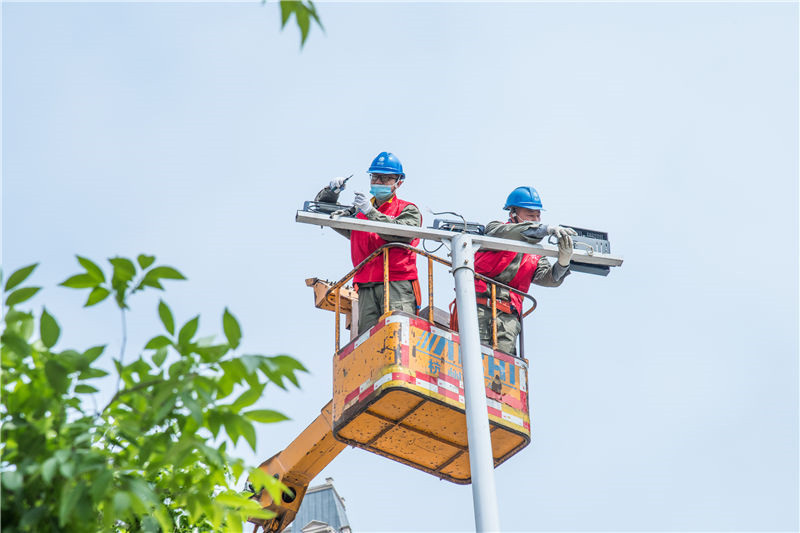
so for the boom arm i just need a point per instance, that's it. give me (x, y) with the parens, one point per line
(296, 467)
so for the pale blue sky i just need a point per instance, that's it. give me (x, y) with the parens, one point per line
(664, 397)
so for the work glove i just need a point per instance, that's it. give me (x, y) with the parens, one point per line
(362, 203)
(560, 232)
(564, 249)
(337, 184)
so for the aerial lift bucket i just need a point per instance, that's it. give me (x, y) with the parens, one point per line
(399, 392)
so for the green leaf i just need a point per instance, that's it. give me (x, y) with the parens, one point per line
(122, 502)
(261, 480)
(19, 276)
(142, 490)
(151, 279)
(150, 282)
(265, 416)
(16, 343)
(194, 407)
(26, 328)
(14, 315)
(312, 9)
(303, 12)
(164, 519)
(124, 269)
(67, 468)
(188, 330)
(93, 353)
(91, 373)
(72, 360)
(214, 422)
(97, 295)
(179, 367)
(85, 389)
(212, 354)
(48, 329)
(248, 432)
(62, 454)
(92, 269)
(225, 385)
(251, 363)
(165, 314)
(57, 376)
(165, 272)
(265, 514)
(159, 356)
(49, 469)
(230, 499)
(101, 484)
(80, 281)
(20, 295)
(159, 341)
(248, 398)
(231, 328)
(165, 408)
(150, 525)
(230, 421)
(12, 480)
(303, 21)
(31, 517)
(287, 8)
(145, 260)
(278, 367)
(69, 498)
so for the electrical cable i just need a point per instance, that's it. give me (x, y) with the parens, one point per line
(442, 243)
(431, 251)
(464, 230)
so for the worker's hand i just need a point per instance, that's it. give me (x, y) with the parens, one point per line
(337, 184)
(560, 232)
(362, 203)
(564, 250)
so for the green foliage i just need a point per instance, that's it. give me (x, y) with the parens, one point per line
(304, 11)
(154, 458)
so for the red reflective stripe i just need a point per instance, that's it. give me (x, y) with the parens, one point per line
(491, 264)
(522, 280)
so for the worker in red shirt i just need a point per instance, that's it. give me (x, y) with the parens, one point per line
(386, 176)
(516, 269)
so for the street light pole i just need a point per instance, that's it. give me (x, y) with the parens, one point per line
(481, 461)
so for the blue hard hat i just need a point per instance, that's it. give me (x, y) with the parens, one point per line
(386, 163)
(526, 197)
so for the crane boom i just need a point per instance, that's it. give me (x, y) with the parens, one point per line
(296, 466)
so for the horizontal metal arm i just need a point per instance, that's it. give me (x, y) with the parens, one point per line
(487, 243)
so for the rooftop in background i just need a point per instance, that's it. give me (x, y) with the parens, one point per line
(322, 511)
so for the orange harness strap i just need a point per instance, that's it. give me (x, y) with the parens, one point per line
(417, 292)
(501, 305)
(453, 316)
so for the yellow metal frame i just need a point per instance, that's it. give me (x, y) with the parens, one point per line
(384, 251)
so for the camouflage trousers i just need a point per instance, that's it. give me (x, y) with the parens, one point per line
(508, 328)
(370, 301)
